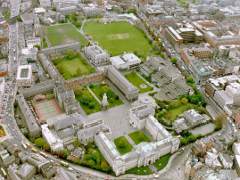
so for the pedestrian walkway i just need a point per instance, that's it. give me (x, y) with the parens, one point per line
(153, 168)
(130, 140)
(94, 95)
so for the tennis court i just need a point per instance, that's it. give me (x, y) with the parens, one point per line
(47, 109)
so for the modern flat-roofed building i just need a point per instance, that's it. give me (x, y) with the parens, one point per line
(24, 75)
(130, 92)
(125, 61)
(96, 55)
(185, 34)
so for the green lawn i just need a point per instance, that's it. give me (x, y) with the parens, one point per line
(64, 33)
(101, 89)
(73, 66)
(144, 170)
(122, 144)
(170, 110)
(172, 114)
(139, 136)
(87, 101)
(138, 82)
(119, 37)
(162, 162)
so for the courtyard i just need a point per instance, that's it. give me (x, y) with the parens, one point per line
(138, 82)
(100, 89)
(119, 37)
(139, 137)
(122, 145)
(87, 101)
(73, 65)
(60, 34)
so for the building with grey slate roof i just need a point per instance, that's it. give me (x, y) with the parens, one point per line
(130, 92)
(31, 123)
(26, 171)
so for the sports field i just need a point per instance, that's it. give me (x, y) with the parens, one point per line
(119, 37)
(47, 109)
(63, 33)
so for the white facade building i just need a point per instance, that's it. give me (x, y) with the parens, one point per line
(190, 119)
(125, 61)
(144, 153)
(55, 143)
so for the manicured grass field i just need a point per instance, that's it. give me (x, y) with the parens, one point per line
(64, 33)
(119, 37)
(162, 162)
(144, 170)
(73, 66)
(101, 89)
(87, 101)
(138, 82)
(122, 145)
(139, 136)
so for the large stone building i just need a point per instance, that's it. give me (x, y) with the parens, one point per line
(90, 128)
(130, 92)
(24, 75)
(55, 143)
(96, 55)
(30, 120)
(190, 119)
(66, 100)
(145, 153)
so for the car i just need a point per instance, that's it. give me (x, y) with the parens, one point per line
(70, 169)
(65, 164)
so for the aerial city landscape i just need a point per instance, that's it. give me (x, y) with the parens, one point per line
(120, 89)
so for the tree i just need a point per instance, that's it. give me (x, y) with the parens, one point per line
(220, 121)
(41, 143)
(104, 166)
(174, 60)
(190, 80)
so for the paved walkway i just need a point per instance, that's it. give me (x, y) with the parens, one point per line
(94, 95)
(130, 140)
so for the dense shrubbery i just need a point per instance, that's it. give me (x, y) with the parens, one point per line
(93, 159)
(42, 144)
(75, 19)
(187, 138)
